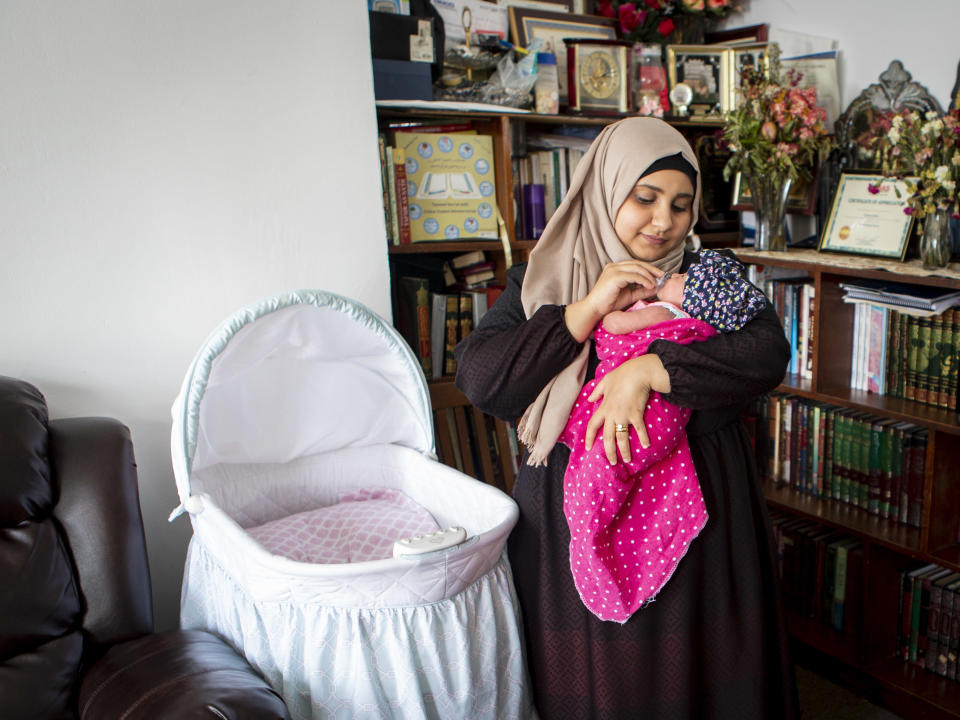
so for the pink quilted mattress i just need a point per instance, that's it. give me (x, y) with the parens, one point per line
(362, 526)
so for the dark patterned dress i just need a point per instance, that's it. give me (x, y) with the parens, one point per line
(713, 644)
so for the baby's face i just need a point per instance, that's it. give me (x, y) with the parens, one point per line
(672, 290)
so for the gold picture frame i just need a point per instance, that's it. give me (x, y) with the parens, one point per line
(706, 70)
(527, 24)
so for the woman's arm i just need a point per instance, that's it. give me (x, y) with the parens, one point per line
(729, 368)
(505, 362)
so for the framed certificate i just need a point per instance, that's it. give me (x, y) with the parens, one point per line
(865, 222)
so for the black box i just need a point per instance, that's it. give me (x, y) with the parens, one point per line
(398, 80)
(390, 35)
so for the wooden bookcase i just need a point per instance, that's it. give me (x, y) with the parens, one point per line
(870, 657)
(868, 660)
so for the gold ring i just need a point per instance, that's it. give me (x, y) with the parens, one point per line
(623, 428)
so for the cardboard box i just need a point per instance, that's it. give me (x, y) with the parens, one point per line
(399, 80)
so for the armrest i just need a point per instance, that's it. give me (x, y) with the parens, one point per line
(99, 510)
(183, 674)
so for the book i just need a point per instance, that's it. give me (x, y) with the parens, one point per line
(918, 451)
(945, 354)
(452, 323)
(934, 349)
(953, 633)
(451, 176)
(467, 259)
(392, 198)
(414, 318)
(403, 204)
(934, 613)
(896, 294)
(913, 331)
(438, 328)
(465, 309)
(906, 606)
(843, 550)
(384, 180)
(918, 628)
(923, 359)
(876, 350)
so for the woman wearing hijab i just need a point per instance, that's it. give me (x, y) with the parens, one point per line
(713, 645)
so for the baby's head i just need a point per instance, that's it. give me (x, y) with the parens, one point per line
(714, 291)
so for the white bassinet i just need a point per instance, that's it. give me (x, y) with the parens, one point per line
(291, 405)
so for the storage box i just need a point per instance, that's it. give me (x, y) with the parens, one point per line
(402, 37)
(399, 80)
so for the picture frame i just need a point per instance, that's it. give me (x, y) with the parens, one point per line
(801, 200)
(866, 223)
(705, 69)
(528, 24)
(753, 56)
(552, 5)
(747, 35)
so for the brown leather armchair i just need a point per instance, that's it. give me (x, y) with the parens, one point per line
(76, 618)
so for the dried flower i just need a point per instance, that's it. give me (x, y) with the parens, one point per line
(777, 129)
(924, 151)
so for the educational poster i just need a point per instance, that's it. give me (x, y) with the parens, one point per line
(450, 186)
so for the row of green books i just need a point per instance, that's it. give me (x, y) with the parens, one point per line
(922, 357)
(928, 622)
(820, 571)
(849, 456)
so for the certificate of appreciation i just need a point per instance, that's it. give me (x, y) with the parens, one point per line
(868, 218)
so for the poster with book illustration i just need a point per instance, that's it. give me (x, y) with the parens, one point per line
(450, 186)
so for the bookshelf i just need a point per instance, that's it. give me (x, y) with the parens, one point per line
(510, 132)
(889, 549)
(866, 657)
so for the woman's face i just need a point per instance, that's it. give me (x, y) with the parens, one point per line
(656, 215)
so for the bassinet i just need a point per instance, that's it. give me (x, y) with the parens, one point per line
(288, 405)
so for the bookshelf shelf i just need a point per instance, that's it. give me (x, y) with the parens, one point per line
(931, 694)
(464, 246)
(902, 538)
(906, 410)
(844, 647)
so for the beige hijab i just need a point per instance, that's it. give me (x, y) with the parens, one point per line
(579, 241)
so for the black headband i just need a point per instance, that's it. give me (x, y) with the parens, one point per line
(673, 162)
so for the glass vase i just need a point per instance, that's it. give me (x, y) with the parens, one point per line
(935, 240)
(769, 196)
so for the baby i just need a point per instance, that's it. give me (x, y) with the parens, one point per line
(631, 523)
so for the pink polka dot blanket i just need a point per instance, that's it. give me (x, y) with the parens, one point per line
(631, 523)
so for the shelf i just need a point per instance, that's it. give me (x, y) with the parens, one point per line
(422, 111)
(823, 638)
(909, 271)
(902, 538)
(450, 247)
(920, 686)
(928, 416)
(948, 557)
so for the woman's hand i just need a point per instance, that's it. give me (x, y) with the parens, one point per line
(620, 285)
(625, 391)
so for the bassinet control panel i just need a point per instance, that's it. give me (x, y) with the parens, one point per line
(428, 542)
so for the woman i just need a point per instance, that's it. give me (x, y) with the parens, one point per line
(713, 644)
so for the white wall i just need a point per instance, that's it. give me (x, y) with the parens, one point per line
(163, 164)
(921, 34)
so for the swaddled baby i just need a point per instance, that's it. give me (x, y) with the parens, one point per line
(632, 522)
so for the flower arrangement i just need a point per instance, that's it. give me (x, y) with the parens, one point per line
(655, 21)
(777, 129)
(925, 152)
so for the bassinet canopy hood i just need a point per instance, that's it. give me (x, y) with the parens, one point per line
(295, 375)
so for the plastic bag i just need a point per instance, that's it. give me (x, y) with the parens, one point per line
(512, 82)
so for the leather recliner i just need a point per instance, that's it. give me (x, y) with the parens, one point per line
(76, 617)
